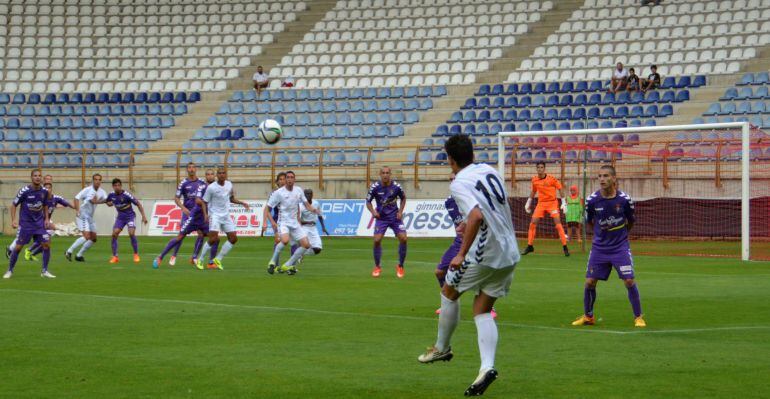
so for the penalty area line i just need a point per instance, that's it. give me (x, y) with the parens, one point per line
(379, 315)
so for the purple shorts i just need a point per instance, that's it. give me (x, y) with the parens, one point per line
(600, 264)
(381, 226)
(123, 221)
(450, 253)
(40, 236)
(193, 224)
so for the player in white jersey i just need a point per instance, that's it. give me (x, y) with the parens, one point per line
(280, 181)
(85, 205)
(309, 221)
(287, 199)
(215, 205)
(486, 260)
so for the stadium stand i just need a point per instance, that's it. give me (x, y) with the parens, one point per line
(401, 43)
(139, 47)
(682, 38)
(748, 101)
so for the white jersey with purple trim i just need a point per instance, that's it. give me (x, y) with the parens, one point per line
(480, 186)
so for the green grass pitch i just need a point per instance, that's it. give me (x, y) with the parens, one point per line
(128, 331)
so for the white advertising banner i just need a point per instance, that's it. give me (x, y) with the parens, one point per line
(422, 218)
(167, 218)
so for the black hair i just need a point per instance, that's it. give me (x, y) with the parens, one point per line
(460, 148)
(116, 181)
(35, 170)
(610, 168)
(94, 175)
(538, 163)
(191, 163)
(654, 66)
(279, 176)
(308, 191)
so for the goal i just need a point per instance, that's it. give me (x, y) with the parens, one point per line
(699, 190)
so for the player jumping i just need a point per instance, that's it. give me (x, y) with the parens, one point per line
(611, 212)
(387, 215)
(486, 260)
(192, 223)
(90, 197)
(123, 202)
(545, 186)
(32, 223)
(215, 205)
(288, 198)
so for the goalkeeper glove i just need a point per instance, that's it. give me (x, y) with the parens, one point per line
(528, 206)
(564, 206)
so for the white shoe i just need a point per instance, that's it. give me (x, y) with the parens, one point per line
(433, 354)
(8, 274)
(172, 261)
(47, 274)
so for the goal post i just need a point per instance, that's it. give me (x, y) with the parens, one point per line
(689, 154)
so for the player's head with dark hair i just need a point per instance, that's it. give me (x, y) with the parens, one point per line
(309, 194)
(37, 177)
(607, 178)
(290, 179)
(210, 176)
(191, 169)
(96, 180)
(117, 185)
(280, 179)
(459, 151)
(221, 174)
(540, 166)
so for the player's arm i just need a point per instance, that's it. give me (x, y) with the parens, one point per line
(369, 198)
(14, 223)
(234, 200)
(308, 206)
(179, 202)
(590, 212)
(204, 208)
(628, 209)
(323, 226)
(402, 206)
(94, 199)
(47, 222)
(562, 197)
(472, 224)
(141, 209)
(528, 205)
(267, 214)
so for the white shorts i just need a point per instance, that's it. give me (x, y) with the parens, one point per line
(493, 282)
(312, 236)
(221, 223)
(294, 230)
(85, 224)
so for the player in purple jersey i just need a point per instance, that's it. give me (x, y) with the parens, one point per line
(193, 223)
(124, 203)
(53, 202)
(185, 199)
(33, 219)
(387, 215)
(611, 212)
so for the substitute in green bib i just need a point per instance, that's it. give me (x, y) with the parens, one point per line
(574, 213)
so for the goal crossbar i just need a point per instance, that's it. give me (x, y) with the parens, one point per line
(744, 127)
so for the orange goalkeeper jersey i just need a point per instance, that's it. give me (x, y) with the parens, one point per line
(545, 187)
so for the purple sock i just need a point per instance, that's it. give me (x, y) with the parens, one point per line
(198, 245)
(377, 254)
(294, 248)
(401, 253)
(179, 245)
(135, 244)
(172, 243)
(214, 249)
(589, 297)
(114, 246)
(46, 258)
(14, 258)
(633, 296)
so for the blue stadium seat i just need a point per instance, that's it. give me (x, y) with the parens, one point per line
(512, 89)
(761, 93)
(19, 98)
(762, 78)
(682, 95)
(538, 101)
(551, 114)
(525, 88)
(566, 100)
(608, 99)
(5, 98)
(593, 113)
(512, 102)
(652, 97)
(621, 112)
(595, 99)
(651, 111)
(579, 113)
(470, 129)
(524, 101)
(608, 112)
(497, 90)
(747, 79)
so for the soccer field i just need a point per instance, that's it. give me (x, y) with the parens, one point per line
(104, 331)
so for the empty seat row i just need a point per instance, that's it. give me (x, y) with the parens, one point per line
(75, 145)
(86, 122)
(87, 135)
(746, 93)
(579, 86)
(325, 106)
(493, 129)
(65, 161)
(756, 120)
(291, 132)
(109, 86)
(94, 110)
(759, 78)
(340, 94)
(567, 100)
(605, 73)
(732, 108)
(621, 112)
(99, 98)
(318, 119)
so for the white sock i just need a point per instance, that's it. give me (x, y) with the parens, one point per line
(487, 335)
(224, 250)
(205, 250)
(277, 252)
(76, 244)
(85, 247)
(447, 322)
(13, 245)
(297, 254)
(310, 252)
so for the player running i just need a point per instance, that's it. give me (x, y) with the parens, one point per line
(192, 223)
(53, 202)
(611, 212)
(288, 198)
(186, 193)
(385, 193)
(90, 196)
(32, 223)
(545, 186)
(123, 202)
(485, 262)
(309, 220)
(280, 181)
(215, 205)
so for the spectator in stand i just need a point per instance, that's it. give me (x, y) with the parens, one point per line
(619, 79)
(652, 81)
(260, 80)
(633, 80)
(650, 2)
(288, 82)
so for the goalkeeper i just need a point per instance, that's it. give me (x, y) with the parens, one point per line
(546, 187)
